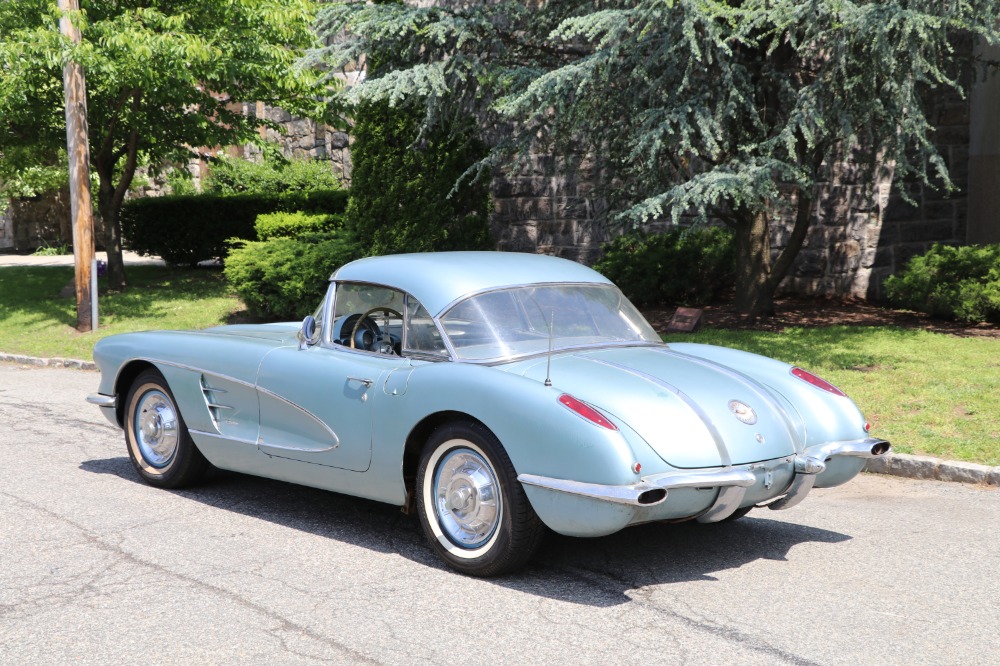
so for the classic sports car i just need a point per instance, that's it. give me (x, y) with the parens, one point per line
(495, 394)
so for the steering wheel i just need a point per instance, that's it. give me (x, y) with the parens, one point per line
(384, 346)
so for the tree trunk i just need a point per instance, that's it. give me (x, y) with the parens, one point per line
(111, 195)
(111, 214)
(757, 278)
(754, 297)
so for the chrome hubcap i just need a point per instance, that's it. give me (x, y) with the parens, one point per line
(156, 428)
(467, 496)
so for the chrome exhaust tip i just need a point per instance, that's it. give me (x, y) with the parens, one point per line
(881, 447)
(649, 497)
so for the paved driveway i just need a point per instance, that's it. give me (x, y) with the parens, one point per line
(96, 567)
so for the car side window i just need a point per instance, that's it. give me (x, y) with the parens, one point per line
(373, 318)
(422, 335)
(369, 318)
(320, 315)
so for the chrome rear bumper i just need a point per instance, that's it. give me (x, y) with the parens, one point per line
(651, 490)
(102, 400)
(732, 482)
(812, 462)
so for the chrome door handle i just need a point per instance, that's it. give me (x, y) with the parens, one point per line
(360, 380)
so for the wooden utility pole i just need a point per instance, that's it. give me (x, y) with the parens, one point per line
(78, 149)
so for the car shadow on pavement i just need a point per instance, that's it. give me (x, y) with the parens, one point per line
(594, 572)
(659, 554)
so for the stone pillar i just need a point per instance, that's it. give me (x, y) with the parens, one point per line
(984, 154)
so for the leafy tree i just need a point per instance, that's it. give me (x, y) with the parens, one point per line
(47, 171)
(163, 77)
(724, 109)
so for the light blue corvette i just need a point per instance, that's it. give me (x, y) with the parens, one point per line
(496, 395)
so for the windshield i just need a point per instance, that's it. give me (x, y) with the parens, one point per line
(515, 322)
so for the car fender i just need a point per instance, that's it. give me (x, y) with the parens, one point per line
(190, 361)
(540, 435)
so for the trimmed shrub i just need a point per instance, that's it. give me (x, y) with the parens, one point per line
(690, 266)
(402, 197)
(284, 279)
(294, 225)
(952, 282)
(186, 229)
(272, 175)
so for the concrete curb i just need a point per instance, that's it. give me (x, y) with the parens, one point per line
(924, 467)
(894, 464)
(73, 363)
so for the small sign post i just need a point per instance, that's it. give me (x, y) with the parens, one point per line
(685, 320)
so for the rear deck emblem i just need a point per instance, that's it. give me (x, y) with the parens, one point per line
(743, 412)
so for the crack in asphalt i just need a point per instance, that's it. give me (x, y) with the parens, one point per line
(283, 624)
(611, 585)
(29, 415)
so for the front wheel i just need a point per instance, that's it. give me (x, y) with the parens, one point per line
(158, 442)
(472, 508)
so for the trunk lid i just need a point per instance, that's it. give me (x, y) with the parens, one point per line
(690, 411)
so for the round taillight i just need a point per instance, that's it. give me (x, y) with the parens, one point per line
(822, 384)
(586, 411)
(868, 427)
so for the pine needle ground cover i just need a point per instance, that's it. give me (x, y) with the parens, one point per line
(927, 393)
(36, 321)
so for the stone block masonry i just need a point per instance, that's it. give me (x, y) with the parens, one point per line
(933, 215)
(6, 230)
(550, 208)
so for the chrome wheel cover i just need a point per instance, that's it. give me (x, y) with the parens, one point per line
(467, 498)
(155, 428)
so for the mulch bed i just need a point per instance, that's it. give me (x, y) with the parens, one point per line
(811, 312)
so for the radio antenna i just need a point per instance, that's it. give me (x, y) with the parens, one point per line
(548, 359)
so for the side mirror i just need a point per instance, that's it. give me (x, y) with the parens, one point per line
(307, 334)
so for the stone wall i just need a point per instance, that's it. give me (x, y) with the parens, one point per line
(6, 230)
(984, 152)
(841, 247)
(555, 209)
(37, 222)
(307, 139)
(43, 221)
(550, 208)
(938, 216)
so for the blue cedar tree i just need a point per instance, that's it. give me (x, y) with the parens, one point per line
(716, 107)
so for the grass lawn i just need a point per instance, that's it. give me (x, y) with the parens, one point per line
(35, 321)
(927, 393)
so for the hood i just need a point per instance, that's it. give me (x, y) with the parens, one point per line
(281, 332)
(690, 411)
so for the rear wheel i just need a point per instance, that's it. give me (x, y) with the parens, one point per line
(472, 508)
(159, 445)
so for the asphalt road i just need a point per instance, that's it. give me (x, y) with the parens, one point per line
(96, 567)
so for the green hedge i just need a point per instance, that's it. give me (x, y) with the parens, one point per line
(679, 267)
(186, 229)
(293, 225)
(953, 282)
(284, 279)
